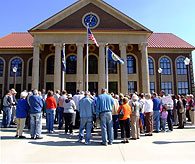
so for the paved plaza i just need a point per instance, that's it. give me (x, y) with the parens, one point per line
(170, 147)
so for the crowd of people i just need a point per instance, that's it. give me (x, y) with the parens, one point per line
(133, 114)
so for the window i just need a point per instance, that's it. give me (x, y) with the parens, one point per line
(165, 64)
(16, 62)
(131, 64)
(152, 87)
(71, 64)
(113, 87)
(132, 86)
(167, 87)
(50, 65)
(181, 67)
(151, 66)
(93, 65)
(182, 87)
(30, 67)
(112, 67)
(1, 67)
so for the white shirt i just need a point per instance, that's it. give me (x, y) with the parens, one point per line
(76, 99)
(148, 106)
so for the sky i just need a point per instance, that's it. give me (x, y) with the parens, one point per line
(168, 16)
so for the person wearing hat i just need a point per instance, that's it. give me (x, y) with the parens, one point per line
(6, 110)
(22, 109)
(69, 114)
(86, 110)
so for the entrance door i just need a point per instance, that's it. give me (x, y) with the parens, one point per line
(113, 87)
(71, 87)
(93, 87)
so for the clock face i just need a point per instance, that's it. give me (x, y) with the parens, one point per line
(91, 19)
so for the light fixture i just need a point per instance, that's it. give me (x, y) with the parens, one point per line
(160, 70)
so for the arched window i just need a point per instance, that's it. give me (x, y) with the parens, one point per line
(151, 66)
(1, 67)
(165, 65)
(71, 64)
(93, 64)
(16, 62)
(181, 67)
(112, 67)
(50, 65)
(131, 64)
(30, 67)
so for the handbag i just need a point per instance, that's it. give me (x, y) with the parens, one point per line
(121, 114)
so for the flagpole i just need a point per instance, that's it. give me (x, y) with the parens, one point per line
(87, 59)
(63, 72)
(107, 67)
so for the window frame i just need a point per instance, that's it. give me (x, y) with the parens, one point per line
(165, 65)
(131, 64)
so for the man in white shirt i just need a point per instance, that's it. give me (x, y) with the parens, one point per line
(76, 98)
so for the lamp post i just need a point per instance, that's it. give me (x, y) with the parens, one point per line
(187, 63)
(160, 72)
(14, 69)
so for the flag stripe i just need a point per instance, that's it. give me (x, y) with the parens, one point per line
(91, 37)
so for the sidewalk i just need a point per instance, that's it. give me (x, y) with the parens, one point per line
(171, 147)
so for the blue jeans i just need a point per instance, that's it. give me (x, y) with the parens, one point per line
(50, 113)
(35, 124)
(60, 117)
(85, 123)
(106, 127)
(156, 119)
(115, 125)
(7, 113)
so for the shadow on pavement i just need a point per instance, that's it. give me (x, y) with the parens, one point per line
(65, 143)
(8, 138)
(171, 142)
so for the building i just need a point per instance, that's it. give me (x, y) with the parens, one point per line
(37, 54)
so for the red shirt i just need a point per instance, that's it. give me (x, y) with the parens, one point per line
(50, 103)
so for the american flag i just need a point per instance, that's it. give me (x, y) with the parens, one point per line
(91, 37)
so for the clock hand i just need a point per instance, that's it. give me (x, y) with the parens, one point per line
(91, 17)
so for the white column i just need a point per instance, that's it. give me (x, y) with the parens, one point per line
(144, 67)
(101, 67)
(35, 69)
(80, 66)
(124, 75)
(57, 67)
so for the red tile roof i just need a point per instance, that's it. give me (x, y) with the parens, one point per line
(17, 40)
(167, 40)
(156, 40)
